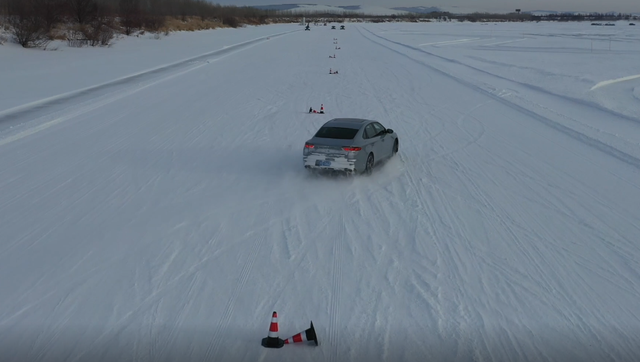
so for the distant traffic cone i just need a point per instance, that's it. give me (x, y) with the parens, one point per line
(322, 108)
(272, 340)
(307, 336)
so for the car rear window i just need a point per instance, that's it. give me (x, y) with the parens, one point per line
(337, 133)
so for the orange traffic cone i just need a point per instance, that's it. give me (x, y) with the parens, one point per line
(307, 336)
(272, 340)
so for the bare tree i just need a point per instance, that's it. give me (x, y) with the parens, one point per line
(26, 24)
(32, 20)
(3, 9)
(130, 15)
(50, 12)
(82, 11)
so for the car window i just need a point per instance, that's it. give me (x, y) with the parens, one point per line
(337, 133)
(378, 127)
(369, 131)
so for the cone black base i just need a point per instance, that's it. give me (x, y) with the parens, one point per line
(311, 334)
(272, 342)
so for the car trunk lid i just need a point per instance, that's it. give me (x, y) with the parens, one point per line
(329, 146)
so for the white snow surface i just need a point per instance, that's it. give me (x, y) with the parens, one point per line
(165, 216)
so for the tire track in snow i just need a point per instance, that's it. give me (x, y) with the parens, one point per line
(500, 95)
(159, 347)
(442, 210)
(179, 68)
(478, 344)
(336, 292)
(473, 138)
(434, 112)
(454, 247)
(430, 206)
(558, 205)
(225, 320)
(104, 155)
(89, 106)
(26, 109)
(543, 263)
(434, 296)
(157, 296)
(576, 135)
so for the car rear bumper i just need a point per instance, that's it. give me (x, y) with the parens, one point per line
(329, 163)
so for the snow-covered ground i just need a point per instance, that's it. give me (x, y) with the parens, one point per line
(30, 76)
(165, 215)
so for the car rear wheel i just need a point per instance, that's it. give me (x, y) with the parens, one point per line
(368, 168)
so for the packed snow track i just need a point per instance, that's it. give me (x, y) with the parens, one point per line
(166, 218)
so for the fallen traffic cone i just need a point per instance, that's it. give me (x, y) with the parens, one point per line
(272, 340)
(307, 336)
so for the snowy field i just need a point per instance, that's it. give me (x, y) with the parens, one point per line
(153, 204)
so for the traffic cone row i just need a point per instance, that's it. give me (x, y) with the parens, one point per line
(273, 341)
(331, 71)
(335, 41)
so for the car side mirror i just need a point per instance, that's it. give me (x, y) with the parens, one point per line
(389, 130)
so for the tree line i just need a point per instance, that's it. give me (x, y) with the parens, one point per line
(97, 21)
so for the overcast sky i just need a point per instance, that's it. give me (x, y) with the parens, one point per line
(626, 6)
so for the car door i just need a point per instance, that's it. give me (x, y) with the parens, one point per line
(370, 138)
(383, 146)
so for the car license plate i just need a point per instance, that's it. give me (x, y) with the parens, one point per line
(323, 163)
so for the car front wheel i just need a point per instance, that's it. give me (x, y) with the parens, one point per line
(395, 147)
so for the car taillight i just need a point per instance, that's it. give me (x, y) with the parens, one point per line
(352, 149)
(308, 145)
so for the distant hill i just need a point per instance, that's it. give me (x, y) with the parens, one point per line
(443, 9)
(552, 12)
(420, 9)
(379, 10)
(312, 8)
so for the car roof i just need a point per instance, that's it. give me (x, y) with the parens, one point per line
(355, 123)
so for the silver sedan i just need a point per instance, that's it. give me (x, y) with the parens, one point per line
(351, 145)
